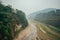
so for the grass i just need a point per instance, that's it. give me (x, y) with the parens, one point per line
(50, 31)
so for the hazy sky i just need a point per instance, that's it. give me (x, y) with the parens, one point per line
(29, 6)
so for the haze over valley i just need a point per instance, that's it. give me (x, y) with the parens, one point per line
(29, 19)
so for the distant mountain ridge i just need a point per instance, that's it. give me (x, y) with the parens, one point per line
(49, 16)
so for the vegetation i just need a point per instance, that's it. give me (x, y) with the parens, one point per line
(8, 21)
(48, 23)
(49, 16)
(46, 31)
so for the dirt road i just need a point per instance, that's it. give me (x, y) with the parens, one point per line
(35, 31)
(29, 33)
(33, 34)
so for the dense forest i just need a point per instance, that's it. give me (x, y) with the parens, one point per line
(9, 18)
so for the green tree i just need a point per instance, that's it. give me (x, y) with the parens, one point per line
(8, 21)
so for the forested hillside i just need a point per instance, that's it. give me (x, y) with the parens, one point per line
(9, 18)
(49, 16)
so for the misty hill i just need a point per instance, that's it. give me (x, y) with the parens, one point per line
(49, 16)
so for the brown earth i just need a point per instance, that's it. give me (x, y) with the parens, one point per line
(27, 34)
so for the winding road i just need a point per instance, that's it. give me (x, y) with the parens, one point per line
(33, 34)
(30, 33)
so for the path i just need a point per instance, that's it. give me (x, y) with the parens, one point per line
(29, 33)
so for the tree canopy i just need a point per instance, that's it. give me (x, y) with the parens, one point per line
(8, 21)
